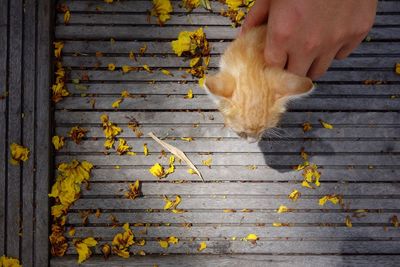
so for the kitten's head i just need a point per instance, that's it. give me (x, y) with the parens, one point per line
(253, 99)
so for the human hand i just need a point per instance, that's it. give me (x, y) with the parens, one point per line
(304, 36)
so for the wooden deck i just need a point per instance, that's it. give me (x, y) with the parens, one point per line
(359, 158)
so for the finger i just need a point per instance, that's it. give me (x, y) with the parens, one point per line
(346, 50)
(257, 15)
(298, 64)
(320, 66)
(275, 55)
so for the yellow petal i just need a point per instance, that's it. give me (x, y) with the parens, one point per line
(173, 240)
(166, 72)
(282, 209)
(294, 195)
(189, 94)
(18, 153)
(251, 237)
(326, 125)
(145, 150)
(111, 67)
(163, 243)
(348, 222)
(116, 103)
(207, 162)
(157, 170)
(9, 262)
(147, 68)
(203, 246)
(67, 17)
(58, 142)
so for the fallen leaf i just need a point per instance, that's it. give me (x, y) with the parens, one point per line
(18, 153)
(294, 195)
(189, 94)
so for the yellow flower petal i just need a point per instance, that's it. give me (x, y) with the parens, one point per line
(82, 247)
(166, 72)
(326, 125)
(251, 237)
(203, 246)
(18, 153)
(9, 262)
(163, 243)
(294, 195)
(67, 17)
(147, 68)
(161, 10)
(282, 209)
(157, 170)
(58, 142)
(348, 222)
(189, 94)
(111, 67)
(173, 240)
(207, 162)
(145, 150)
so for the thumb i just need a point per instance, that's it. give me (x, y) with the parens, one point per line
(257, 15)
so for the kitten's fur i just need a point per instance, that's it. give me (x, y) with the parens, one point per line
(250, 95)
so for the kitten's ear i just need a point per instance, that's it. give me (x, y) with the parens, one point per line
(293, 85)
(221, 84)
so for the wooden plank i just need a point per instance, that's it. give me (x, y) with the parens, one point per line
(169, 33)
(162, 102)
(15, 70)
(42, 139)
(242, 173)
(28, 128)
(222, 133)
(241, 146)
(174, 88)
(119, 189)
(238, 218)
(144, 6)
(330, 76)
(236, 260)
(171, 118)
(267, 232)
(177, 19)
(164, 47)
(228, 159)
(3, 121)
(90, 62)
(221, 202)
(270, 247)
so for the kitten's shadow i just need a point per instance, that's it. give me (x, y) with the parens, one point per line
(282, 147)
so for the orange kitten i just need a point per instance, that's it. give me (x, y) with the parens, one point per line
(252, 96)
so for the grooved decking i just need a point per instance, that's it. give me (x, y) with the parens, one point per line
(358, 159)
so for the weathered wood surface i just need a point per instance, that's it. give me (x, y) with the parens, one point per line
(358, 159)
(24, 108)
(237, 260)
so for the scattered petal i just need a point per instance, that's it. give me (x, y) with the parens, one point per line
(111, 67)
(18, 153)
(307, 126)
(161, 10)
(9, 262)
(82, 247)
(348, 222)
(395, 221)
(77, 134)
(58, 142)
(203, 246)
(145, 150)
(294, 195)
(189, 94)
(282, 209)
(326, 125)
(134, 190)
(166, 72)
